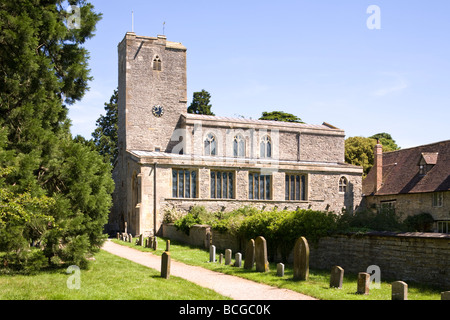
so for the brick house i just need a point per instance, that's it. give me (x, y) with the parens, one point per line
(171, 159)
(412, 181)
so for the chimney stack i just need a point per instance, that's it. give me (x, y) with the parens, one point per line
(378, 165)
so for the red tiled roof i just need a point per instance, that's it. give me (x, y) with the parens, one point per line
(401, 170)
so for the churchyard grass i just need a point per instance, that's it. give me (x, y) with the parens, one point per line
(109, 278)
(317, 285)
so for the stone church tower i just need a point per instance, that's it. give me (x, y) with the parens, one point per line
(152, 91)
(152, 96)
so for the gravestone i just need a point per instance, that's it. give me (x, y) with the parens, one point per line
(147, 242)
(249, 255)
(301, 259)
(399, 290)
(118, 235)
(337, 277)
(262, 265)
(212, 253)
(130, 238)
(221, 258)
(228, 257)
(363, 283)
(445, 295)
(280, 270)
(168, 245)
(238, 260)
(141, 240)
(165, 265)
(155, 243)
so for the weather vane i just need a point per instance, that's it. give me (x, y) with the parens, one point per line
(164, 24)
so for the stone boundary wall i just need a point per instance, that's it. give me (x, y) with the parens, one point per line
(198, 235)
(418, 257)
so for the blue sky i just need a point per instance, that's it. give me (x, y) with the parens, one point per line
(315, 59)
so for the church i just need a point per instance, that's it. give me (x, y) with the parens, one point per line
(169, 158)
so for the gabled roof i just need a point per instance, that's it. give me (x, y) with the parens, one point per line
(401, 170)
(429, 157)
(255, 122)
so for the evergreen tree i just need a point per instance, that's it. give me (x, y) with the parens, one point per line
(105, 135)
(280, 116)
(58, 190)
(201, 103)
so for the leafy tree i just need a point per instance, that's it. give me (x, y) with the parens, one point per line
(201, 103)
(56, 191)
(359, 150)
(386, 140)
(105, 135)
(280, 116)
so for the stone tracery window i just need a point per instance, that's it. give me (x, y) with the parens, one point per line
(210, 145)
(343, 182)
(184, 183)
(265, 147)
(157, 64)
(239, 146)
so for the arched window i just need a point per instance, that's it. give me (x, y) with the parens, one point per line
(238, 146)
(265, 147)
(210, 145)
(343, 182)
(157, 63)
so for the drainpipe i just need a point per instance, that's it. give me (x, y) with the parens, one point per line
(154, 198)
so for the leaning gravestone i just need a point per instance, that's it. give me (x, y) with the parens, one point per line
(337, 277)
(262, 265)
(165, 265)
(399, 290)
(301, 259)
(249, 255)
(363, 283)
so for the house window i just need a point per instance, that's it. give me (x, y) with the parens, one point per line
(343, 183)
(239, 146)
(157, 64)
(438, 199)
(210, 145)
(387, 206)
(259, 186)
(222, 185)
(265, 147)
(295, 187)
(443, 226)
(184, 183)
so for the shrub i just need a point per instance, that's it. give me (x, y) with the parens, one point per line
(422, 222)
(196, 215)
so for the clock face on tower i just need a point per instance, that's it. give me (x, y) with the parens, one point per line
(158, 111)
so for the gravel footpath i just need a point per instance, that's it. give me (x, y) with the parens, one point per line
(230, 286)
